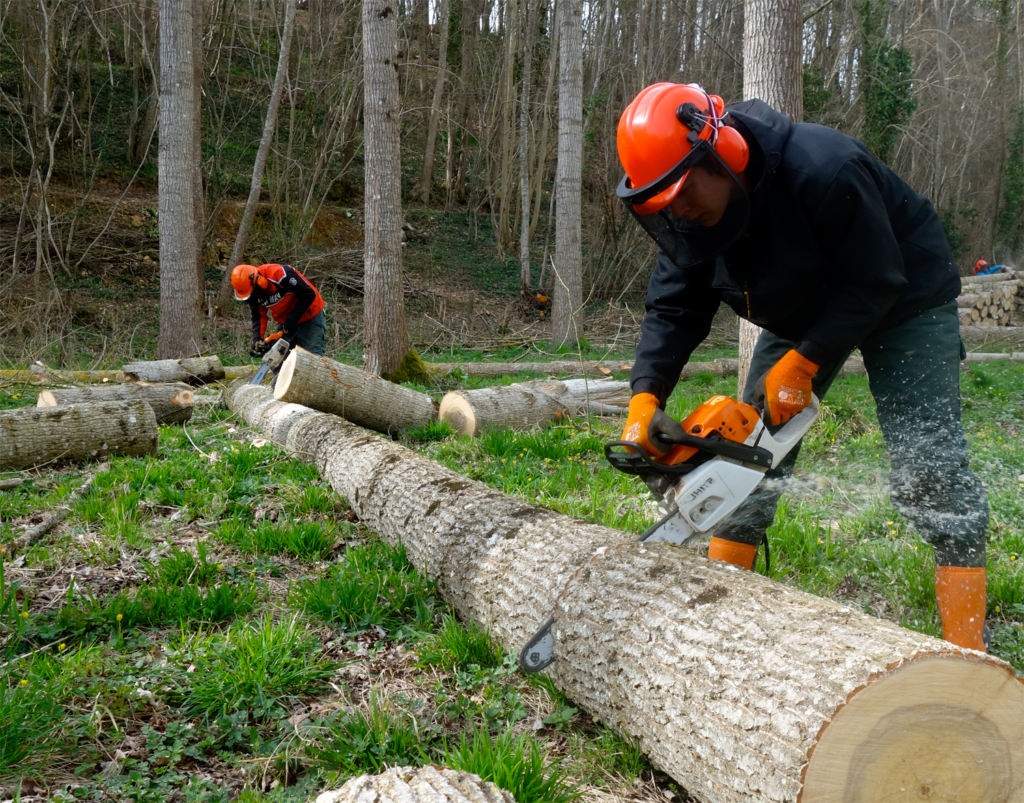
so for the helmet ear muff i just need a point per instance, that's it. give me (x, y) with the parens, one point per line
(261, 281)
(732, 149)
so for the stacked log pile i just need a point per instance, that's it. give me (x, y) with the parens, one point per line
(993, 300)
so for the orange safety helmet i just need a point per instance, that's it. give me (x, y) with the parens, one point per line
(665, 131)
(242, 278)
(979, 266)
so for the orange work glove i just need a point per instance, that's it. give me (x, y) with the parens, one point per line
(642, 408)
(787, 387)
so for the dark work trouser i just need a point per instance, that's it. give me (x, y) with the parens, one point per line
(312, 335)
(914, 375)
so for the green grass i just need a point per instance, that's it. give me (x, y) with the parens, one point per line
(29, 720)
(354, 743)
(261, 668)
(514, 763)
(372, 586)
(455, 645)
(305, 540)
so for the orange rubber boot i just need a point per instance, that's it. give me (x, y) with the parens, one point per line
(742, 555)
(960, 591)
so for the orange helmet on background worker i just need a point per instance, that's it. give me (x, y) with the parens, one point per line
(666, 131)
(242, 280)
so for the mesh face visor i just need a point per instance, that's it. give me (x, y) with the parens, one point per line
(687, 242)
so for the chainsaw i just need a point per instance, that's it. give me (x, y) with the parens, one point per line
(273, 358)
(716, 457)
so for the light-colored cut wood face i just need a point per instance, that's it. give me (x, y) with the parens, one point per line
(284, 377)
(936, 730)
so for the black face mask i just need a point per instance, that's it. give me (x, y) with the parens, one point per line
(683, 241)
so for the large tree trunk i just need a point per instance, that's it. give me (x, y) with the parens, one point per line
(738, 687)
(417, 785)
(525, 280)
(194, 371)
(527, 404)
(567, 296)
(269, 129)
(359, 397)
(427, 177)
(172, 402)
(772, 71)
(180, 295)
(38, 436)
(385, 341)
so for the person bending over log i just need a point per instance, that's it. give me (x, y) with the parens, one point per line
(803, 232)
(288, 297)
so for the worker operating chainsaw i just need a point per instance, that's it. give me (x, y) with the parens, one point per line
(284, 294)
(802, 231)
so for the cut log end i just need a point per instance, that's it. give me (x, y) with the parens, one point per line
(937, 728)
(458, 412)
(285, 375)
(46, 399)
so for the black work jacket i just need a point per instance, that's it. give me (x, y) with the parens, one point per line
(838, 247)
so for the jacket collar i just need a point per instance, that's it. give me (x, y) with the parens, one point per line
(770, 130)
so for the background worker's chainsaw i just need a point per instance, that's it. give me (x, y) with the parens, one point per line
(716, 457)
(273, 359)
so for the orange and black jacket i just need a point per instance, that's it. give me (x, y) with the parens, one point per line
(288, 297)
(838, 246)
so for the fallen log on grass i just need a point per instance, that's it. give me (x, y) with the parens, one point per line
(193, 370)
(333, 387)
(417, 785)
(33, 534)
(527, 404)
(490, 370)
(740, 688)
(172, 402)
(36, 436)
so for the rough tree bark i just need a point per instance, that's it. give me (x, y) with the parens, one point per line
(772, 71)
(269, 129)
(525, 280)
(527, 404)
(180, 294)
(385, 341)
(567, 296)
(427, 177)
(36, 436)
(359, 397)
(417, 785)
(738, 687)
(172, 402)
(194, 371)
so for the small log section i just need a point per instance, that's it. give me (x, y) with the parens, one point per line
(528, 404)
(193, 370)
(740, 688)
(333, 387)
(36, 436)
(417, 785)
(993, 300)
(43, 375)
(172, 402)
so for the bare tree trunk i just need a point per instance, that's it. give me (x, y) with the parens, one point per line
(773, 72)
(199, 196)
(525, 280)
(269, 127)
(427, 178)
(567, 299)
(180, 295)
(470, 24)
(386, 341)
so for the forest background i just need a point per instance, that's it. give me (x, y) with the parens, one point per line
(934, 89)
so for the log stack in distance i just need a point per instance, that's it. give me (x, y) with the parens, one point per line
(364, 399)
(36, 436)
(740, 688)
(172, 402)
